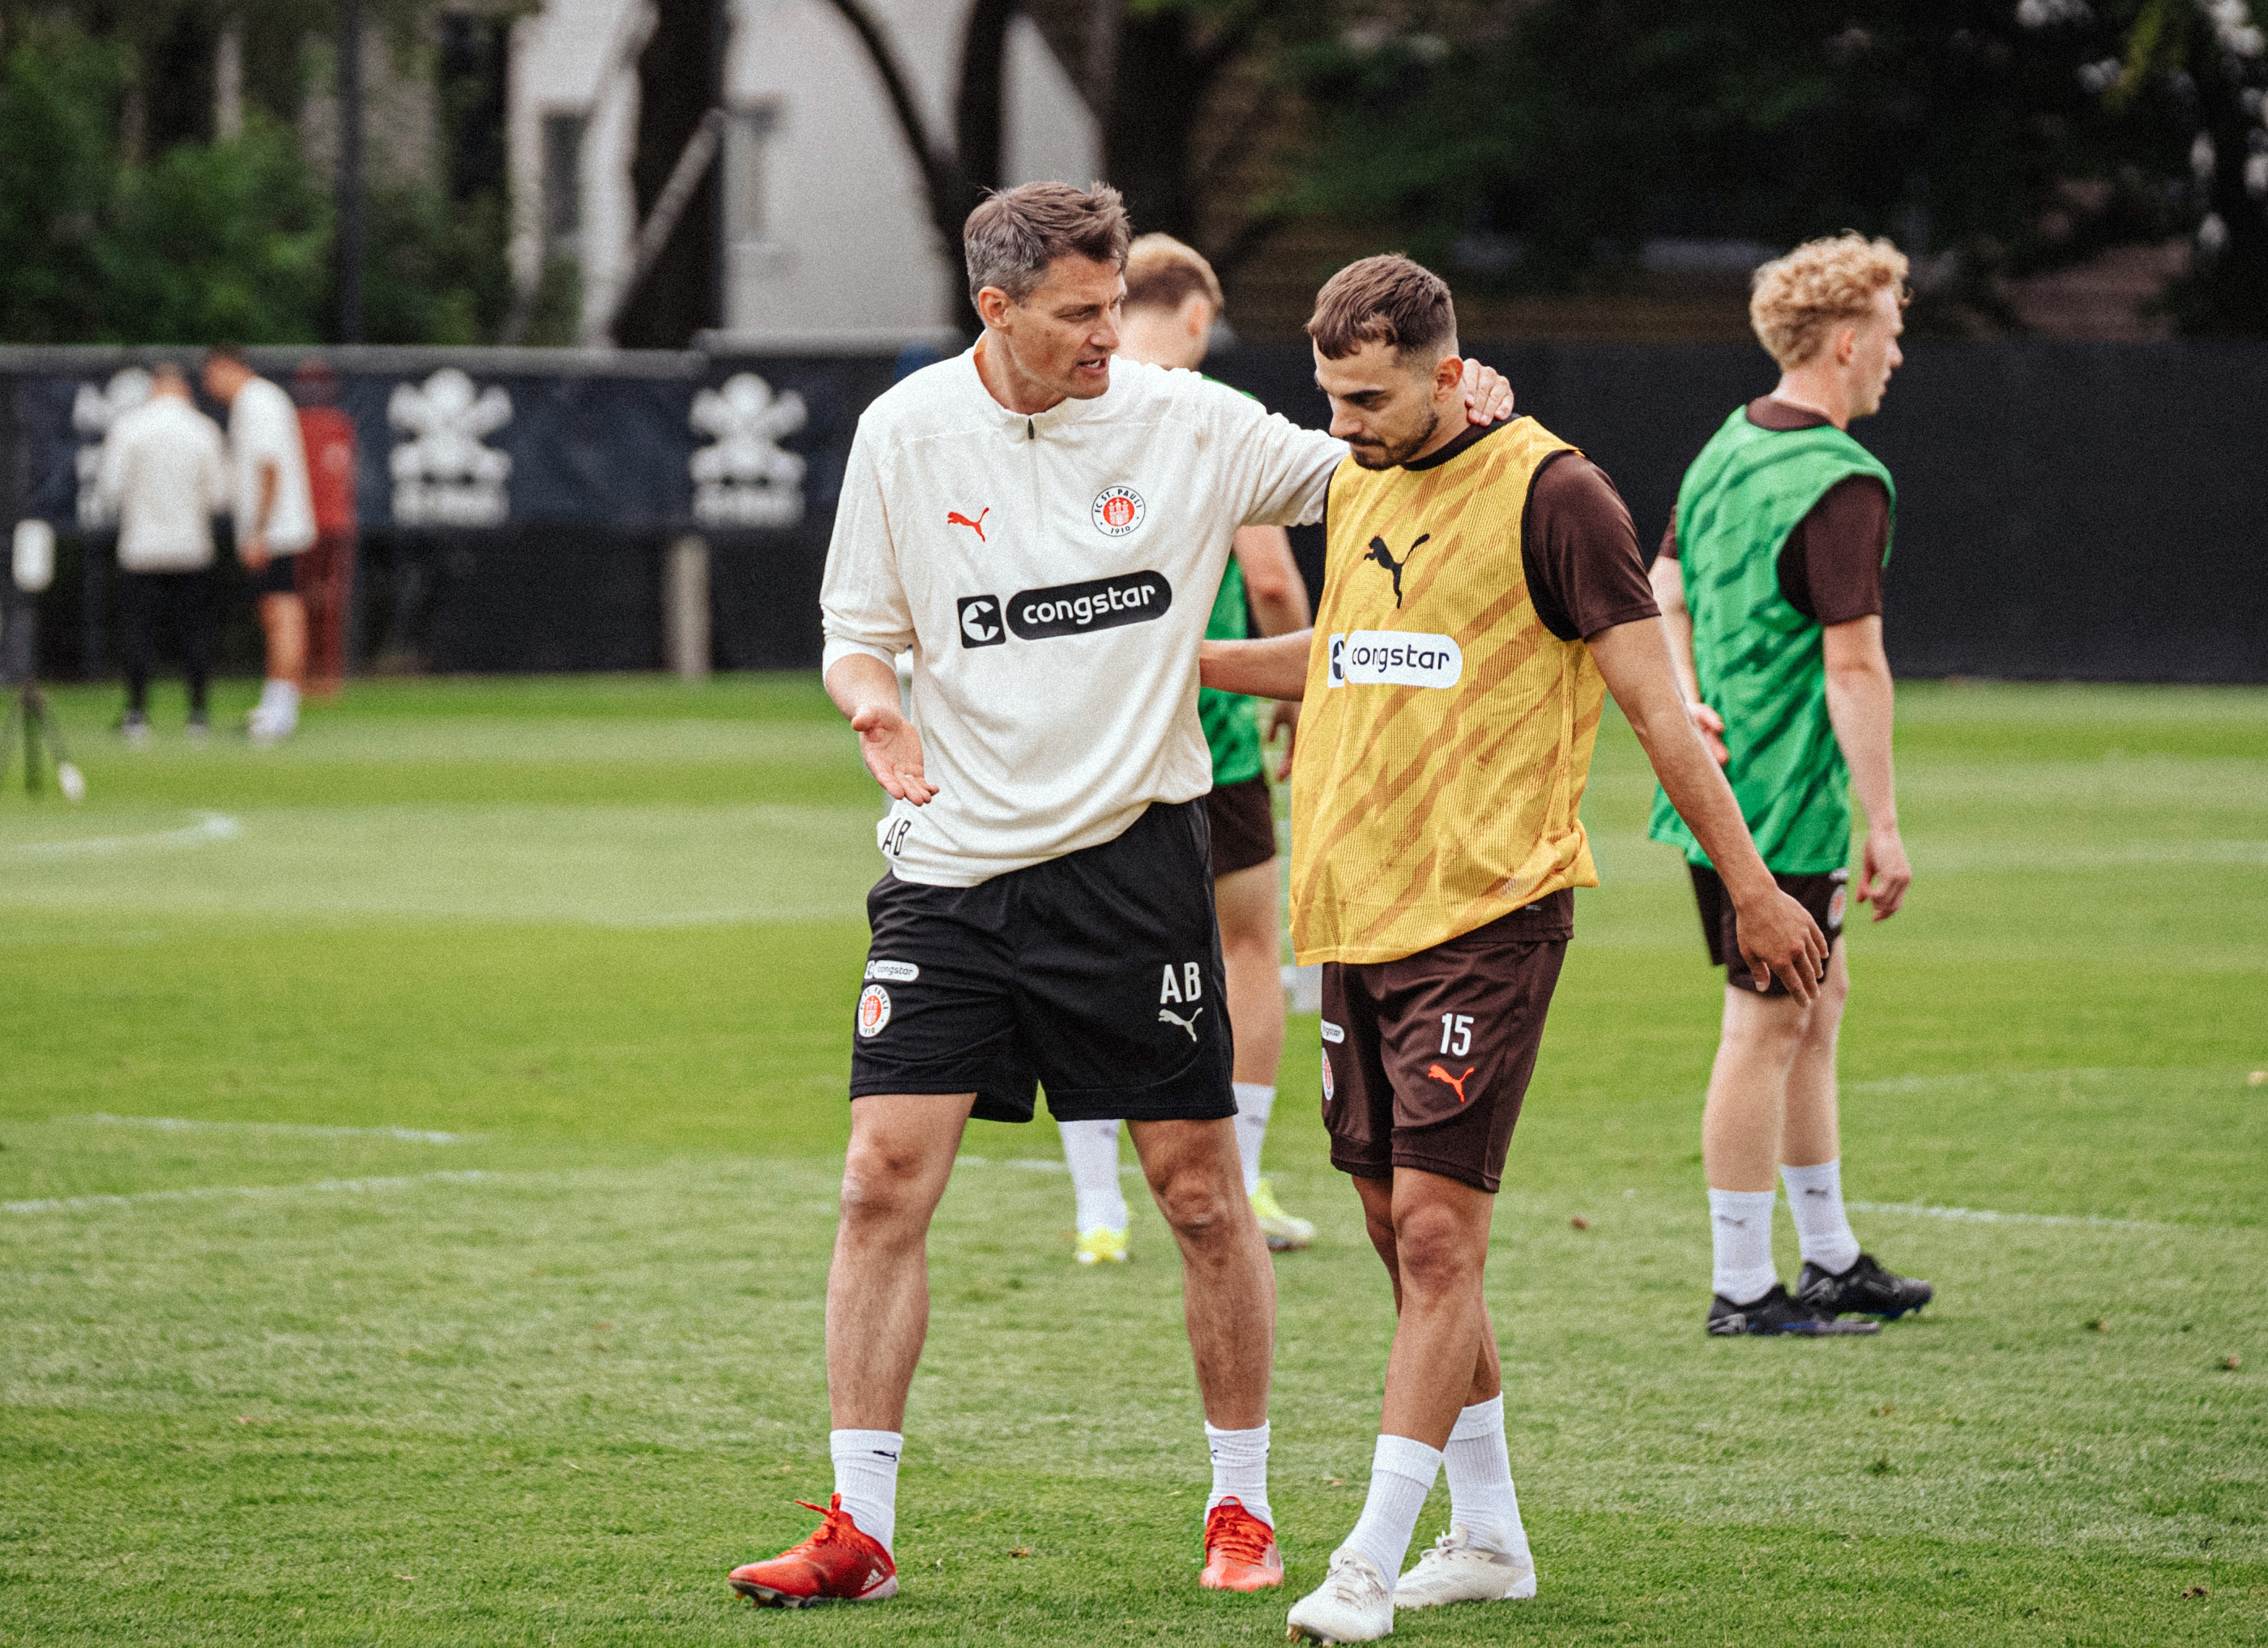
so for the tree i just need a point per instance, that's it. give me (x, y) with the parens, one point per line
(1543, 145)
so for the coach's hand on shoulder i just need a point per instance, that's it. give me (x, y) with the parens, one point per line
(1778, 937)
(893, 750)
(1884, 874)
(1487, 397)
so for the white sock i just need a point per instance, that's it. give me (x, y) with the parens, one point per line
(1254, 1101)
(866, 1476)
(1479, 1469)
(1091, 1153)
(1740, 1235)
(1239, 1470)
(1402, 1473)
(280, 700)
(1814, 1197)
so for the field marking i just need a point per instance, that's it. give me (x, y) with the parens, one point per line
(1035, 1164)
(1987, 1216)
(209, 827)
(176, 1124)
(203, 1193)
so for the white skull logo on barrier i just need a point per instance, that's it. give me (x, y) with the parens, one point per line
(443, 475)
(748, 479)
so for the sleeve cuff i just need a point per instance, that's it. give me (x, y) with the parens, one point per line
(840, 647)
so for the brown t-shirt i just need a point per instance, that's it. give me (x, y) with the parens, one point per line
(1831, 568)
(1578, 545)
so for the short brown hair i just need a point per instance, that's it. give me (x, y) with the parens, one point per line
(1161, 272)
(1386, 299)
(1795, 301)
(1011, 237)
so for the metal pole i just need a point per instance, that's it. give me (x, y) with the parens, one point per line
(350, 198)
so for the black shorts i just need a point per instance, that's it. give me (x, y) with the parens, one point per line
(277, 578)
(1242, 817)
(1097, 973)
(1426, 1059)
(1822, 895)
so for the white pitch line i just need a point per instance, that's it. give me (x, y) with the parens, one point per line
(200, 1193)
(1986, 1216)
(209, 826)
(176, 1124)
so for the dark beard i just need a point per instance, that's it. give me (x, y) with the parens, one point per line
(1392, 457)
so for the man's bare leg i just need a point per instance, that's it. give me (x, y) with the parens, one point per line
(1741, 1134)
(1492, 1558)
(1251, 948)
(283, 624)
(1228, 1287)
(1808, 1132)
(901, 1158)
(1810, 1148)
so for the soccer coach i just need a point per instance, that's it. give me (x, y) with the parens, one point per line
(1046, 533)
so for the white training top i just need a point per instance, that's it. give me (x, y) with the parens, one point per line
(164, 471)
(263, 427)
(1053, 575)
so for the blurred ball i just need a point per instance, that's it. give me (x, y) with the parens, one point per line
(70, 781)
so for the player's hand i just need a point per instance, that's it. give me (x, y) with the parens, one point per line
(1711, 726)
(1884, 875)
(1487, 397)
(893, 750)
(1282, 717)
(253, 553)
(1778, 939)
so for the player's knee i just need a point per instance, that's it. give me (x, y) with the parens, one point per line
(1433, 1255)
(1197, 1205)
(880, 1183)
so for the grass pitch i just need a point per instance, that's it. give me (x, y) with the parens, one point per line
(416, 1173)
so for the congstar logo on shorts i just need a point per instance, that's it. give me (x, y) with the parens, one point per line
(1067, 609)
(1393, 657)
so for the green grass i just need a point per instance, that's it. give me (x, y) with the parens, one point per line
(535, 1356)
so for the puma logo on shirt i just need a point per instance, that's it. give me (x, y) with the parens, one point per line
(954, 517)
(1380, 553)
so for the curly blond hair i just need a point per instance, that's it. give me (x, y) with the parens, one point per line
(1795, 301)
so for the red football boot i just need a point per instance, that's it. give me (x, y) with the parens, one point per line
(1240, 1549)
(837, 1564)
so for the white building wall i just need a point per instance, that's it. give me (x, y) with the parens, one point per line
(841, 253)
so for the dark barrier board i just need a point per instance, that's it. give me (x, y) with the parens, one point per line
(2079, 511)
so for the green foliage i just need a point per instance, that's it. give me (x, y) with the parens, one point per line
(211, 242)
(208, 242)
(59, 160)
(437, 270)
(1555, 143)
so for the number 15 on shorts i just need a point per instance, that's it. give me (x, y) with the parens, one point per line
(1456, 1034)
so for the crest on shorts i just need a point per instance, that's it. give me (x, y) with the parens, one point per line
(873, 1010)
(1118, 511)
(1835, 907)
(1329, 1091)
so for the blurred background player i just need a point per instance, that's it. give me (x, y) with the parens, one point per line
(165, 470)
(275, 522)
(1483, 592)
(1771, 574)
(1173, 302)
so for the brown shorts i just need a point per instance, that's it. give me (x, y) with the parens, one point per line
(1426, 1059)
(1243, 819)
(1821, 895)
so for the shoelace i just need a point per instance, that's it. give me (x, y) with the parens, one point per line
(1235, 1531)
(1355, 1584)
(829, 1532)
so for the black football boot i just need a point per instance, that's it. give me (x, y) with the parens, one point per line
(1864, 1290)
(1777, 1313)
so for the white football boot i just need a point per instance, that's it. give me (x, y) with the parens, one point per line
(1455, 1570)
(1354, 1603)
